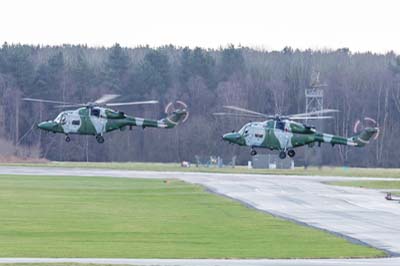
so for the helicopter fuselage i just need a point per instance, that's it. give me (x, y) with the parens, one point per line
(99, 120)
(284, 135)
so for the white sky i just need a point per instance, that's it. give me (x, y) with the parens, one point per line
(362, 25)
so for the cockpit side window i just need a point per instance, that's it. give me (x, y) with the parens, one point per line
(280, 125)
(58, 118)
(244, 129)
(95, 112)
(63, 119)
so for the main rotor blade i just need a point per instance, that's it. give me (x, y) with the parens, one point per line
(238, 115)
(106, 98)
(71, 105)
(246, 111)
(43, 101)
(131, 103)
(320, 112)
(309, 117)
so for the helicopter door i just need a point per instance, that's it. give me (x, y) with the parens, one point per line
(97, 119)
(72, 123)
(283, 135)
(255, 136)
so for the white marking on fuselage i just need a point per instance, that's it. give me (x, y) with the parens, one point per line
(363, 141)
(327, 137)
(254, 134)
(99, 123)
(283, 138)
(351, 143)
(139, 121)
(66, 121)
(161, 124)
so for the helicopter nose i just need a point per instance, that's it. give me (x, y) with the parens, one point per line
(41, 125)
(47, 125)
(231, 137)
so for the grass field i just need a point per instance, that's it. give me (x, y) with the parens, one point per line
(389, 185)
(325, 171)
(372, 185)
(44, 216)
(369, 184)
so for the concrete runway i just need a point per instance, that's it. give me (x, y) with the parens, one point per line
(361, 215)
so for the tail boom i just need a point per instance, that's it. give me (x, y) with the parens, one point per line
(173, 119)
(360, 140)
(168, 122)
(365, 136)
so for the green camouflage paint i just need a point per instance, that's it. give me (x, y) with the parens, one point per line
(98, 120)
(284, 135)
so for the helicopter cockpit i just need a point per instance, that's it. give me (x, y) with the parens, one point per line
(244, 129)
(61, 118)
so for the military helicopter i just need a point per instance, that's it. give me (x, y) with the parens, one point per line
(95, 118)
(283, 134)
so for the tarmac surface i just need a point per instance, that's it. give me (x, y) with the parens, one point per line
(360, 215)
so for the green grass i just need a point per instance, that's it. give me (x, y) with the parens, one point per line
(369, 184)
(45, 216)
(325, 171)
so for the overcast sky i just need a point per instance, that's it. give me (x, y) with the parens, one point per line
(363, 25)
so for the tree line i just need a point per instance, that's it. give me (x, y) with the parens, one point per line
(273, 82)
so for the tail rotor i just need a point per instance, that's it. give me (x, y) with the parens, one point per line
(177, 111)
(367, 122)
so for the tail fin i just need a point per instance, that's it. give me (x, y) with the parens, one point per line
(365, 136)
(176, 117)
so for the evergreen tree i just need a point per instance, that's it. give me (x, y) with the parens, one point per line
(49, 77)
(116, 67)
(83, 76)
(197, 63)
(153, 74)
(16, 61)
(232, 62)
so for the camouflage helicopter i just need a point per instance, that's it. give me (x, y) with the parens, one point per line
(95, 118)
(283, 134)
